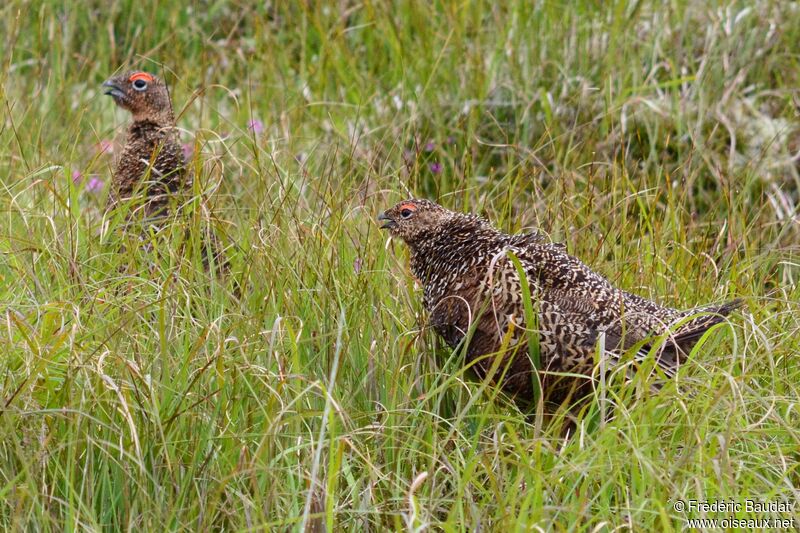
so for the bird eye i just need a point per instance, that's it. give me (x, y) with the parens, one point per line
(140, 85)
(406, 213)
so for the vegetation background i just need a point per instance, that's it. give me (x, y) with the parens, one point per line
(658, 140)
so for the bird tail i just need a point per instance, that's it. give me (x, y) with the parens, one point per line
(690, 332)
(678, 345)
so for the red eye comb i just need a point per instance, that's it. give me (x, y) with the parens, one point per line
(140, 76)
(409, 206)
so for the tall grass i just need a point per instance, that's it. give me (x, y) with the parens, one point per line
(658, 140)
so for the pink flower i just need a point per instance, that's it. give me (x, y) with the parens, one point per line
(255, 125)
(77, 177)
(105, 146)
(94, 185)
(357, 264)
(435, 167)
(430, 146)
(188, 150)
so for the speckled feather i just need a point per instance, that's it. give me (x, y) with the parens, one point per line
(152, 161)
(464, 267)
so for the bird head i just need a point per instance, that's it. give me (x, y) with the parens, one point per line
(141, 93)
(413, 219)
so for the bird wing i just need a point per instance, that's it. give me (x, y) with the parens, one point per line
(579, 305)
(522, 240)
(568, 283)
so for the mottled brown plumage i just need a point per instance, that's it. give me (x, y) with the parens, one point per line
(152, 167)
(152, 163)
(468, 277)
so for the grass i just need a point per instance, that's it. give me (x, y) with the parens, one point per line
(657, 140)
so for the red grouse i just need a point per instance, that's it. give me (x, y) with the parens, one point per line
(470, 280)
(152, 167)
(152, 163)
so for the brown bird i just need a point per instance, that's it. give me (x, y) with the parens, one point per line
(470, 280)
(152, 166)
(152, 162)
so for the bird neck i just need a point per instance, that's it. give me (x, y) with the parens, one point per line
(162, 119)
(155, 129)
(451, 247)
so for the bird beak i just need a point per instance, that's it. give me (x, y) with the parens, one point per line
(114, 90)
(389, 223)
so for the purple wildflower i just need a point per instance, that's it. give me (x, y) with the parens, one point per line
(105, 146)
(95, 184)
(430, 146)
(77, 177)
(357, 264)
(435, 167)
(188, 150)
(256, 126)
